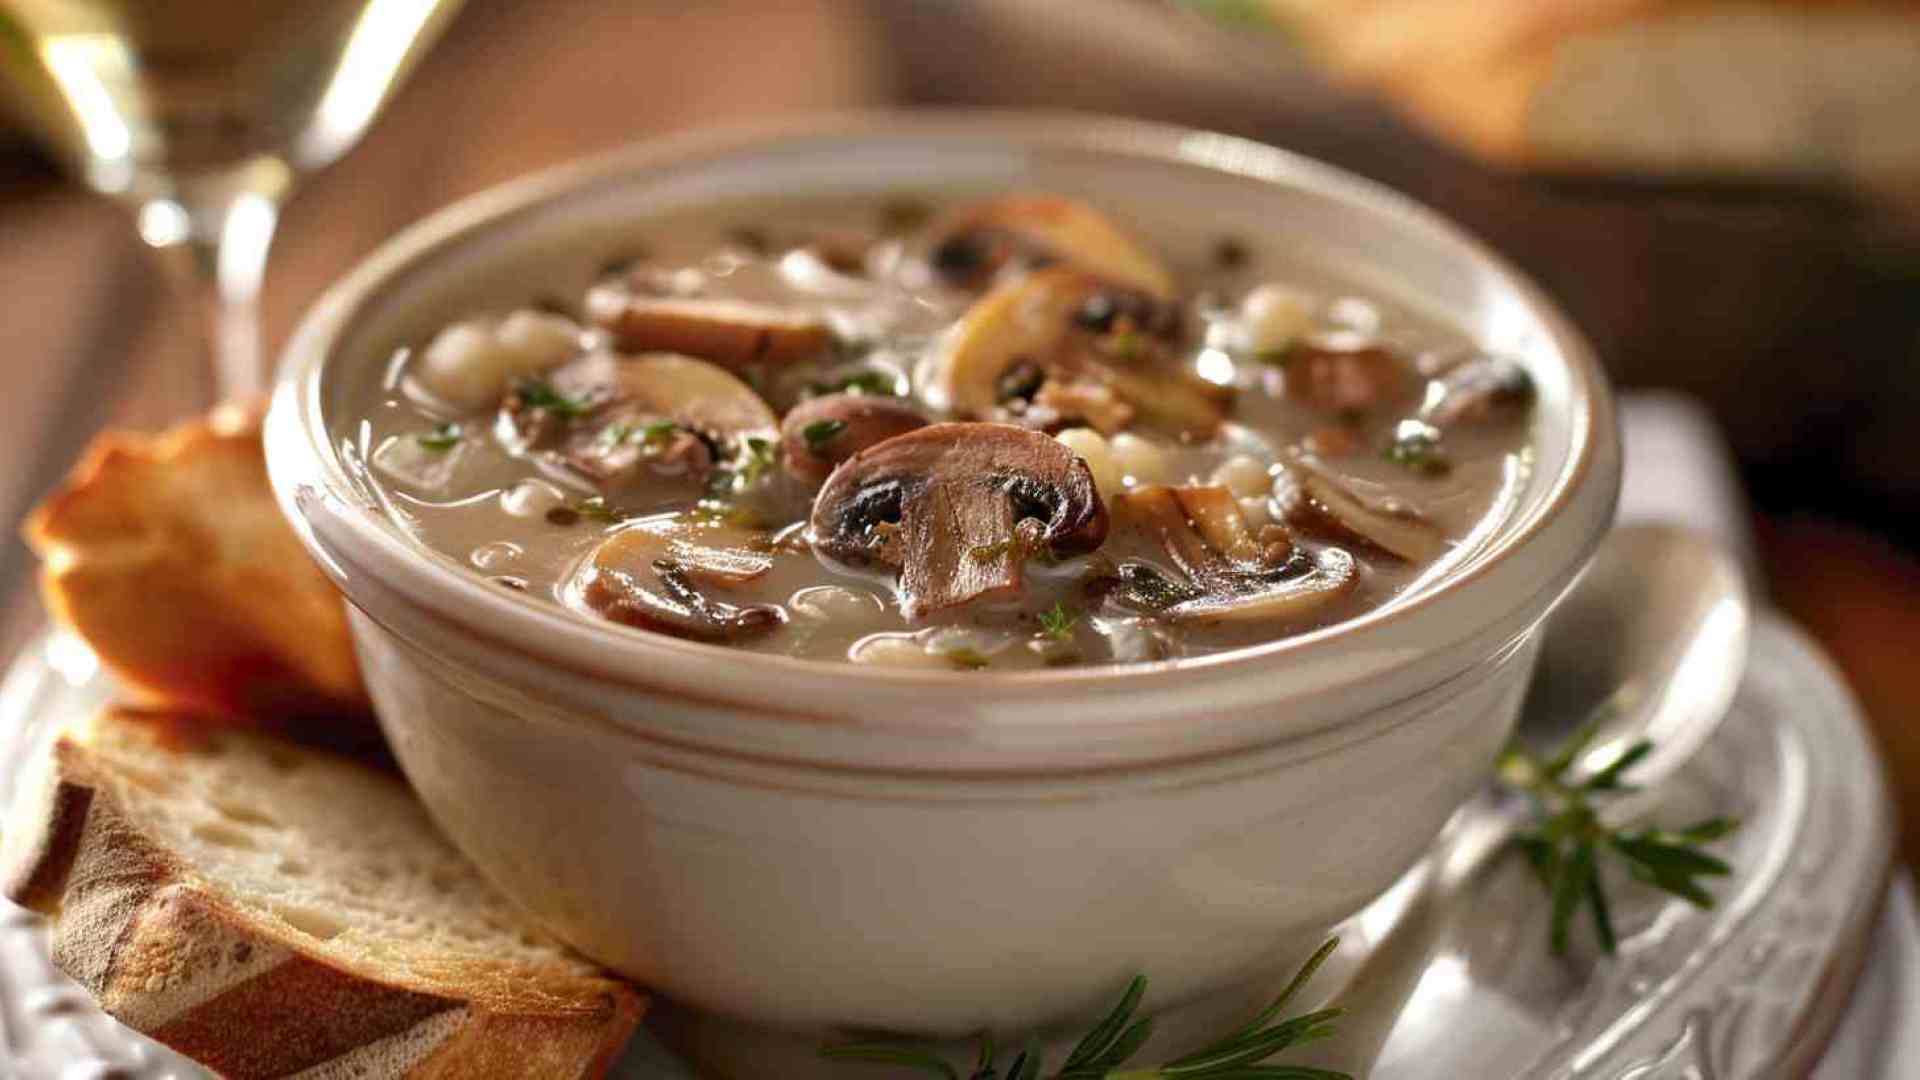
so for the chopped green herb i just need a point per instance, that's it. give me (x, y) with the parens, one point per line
(966, 659)
(876, 383)
(440, 439)
(1280, 357)
(595, 508)
(1125, 345)
(614, 434)
(1416, 447)
(821, 432)
(1058, 623)
(754, 465)
(539, 394)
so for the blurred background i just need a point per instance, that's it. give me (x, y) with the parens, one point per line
(1725, 196)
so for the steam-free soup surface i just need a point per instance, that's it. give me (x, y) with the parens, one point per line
(999, 432)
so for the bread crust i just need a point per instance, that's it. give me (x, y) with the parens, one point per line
(1562, 84)
(169, 556)
(163, 952)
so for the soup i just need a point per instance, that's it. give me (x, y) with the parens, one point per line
(997, 433)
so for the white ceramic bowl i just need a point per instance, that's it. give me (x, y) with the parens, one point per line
(807, 844)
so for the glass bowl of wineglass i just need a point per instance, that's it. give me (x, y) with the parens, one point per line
(199, 115)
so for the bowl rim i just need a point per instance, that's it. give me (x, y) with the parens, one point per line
(303, 460)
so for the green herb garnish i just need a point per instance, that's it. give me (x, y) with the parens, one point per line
(754, 464)
(821, 432)
(440, 439)
(1124, 345)
(658, 431)
(964, 658)
(595, 508)
(1104, 1050)
(1058, 623)
(540, 394)
(1417, 449)
(1569, 841)
(876, 383)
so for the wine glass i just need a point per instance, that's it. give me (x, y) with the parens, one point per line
(200, 114)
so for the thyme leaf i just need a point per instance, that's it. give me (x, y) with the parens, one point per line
(1059, 622)
(821, 432)
(540, 394)
(440, 439)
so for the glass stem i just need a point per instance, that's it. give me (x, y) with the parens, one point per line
(214, 249)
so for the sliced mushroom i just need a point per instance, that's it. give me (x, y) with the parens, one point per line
(1234, 573)
(621, 420)
(998, 359)
(1313, 500)
(1478, 390)
(971, 247)
(1346, 381)
(651, 575)
(734, 333)
(820, 433)
(957, 509)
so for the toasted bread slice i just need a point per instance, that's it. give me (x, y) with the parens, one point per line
(272, 911)
(170, 557)
(1808, 88)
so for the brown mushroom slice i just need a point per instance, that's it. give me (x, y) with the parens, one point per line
(1233, 574)
(1314, 500)
(620, 420)
(1479, 390)
(1313, 579)
(651, 574)
(1023, 335)
(956, 510)
(1347, 381)
(820, 433)
(974, 245)
(734, 333)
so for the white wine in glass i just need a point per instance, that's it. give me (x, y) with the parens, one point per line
(199, 115)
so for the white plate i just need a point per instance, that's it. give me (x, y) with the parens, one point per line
(1751, 989)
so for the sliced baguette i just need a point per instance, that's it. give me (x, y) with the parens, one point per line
(272, 911)
(1797, 88)
(169, 556)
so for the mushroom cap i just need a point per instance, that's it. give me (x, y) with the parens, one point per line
(1029, 322)
(654, 573)
(1234, 574)
(610, 427)
(694, 393)
(970, 246)
(956, 509)
(820, 433)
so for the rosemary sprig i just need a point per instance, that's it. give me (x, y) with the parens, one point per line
(1103, 1052)
(1569, 843)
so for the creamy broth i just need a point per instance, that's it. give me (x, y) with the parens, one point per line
(1280, 452)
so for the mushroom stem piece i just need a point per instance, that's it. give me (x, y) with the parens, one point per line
(732, 333)
(957, 509)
